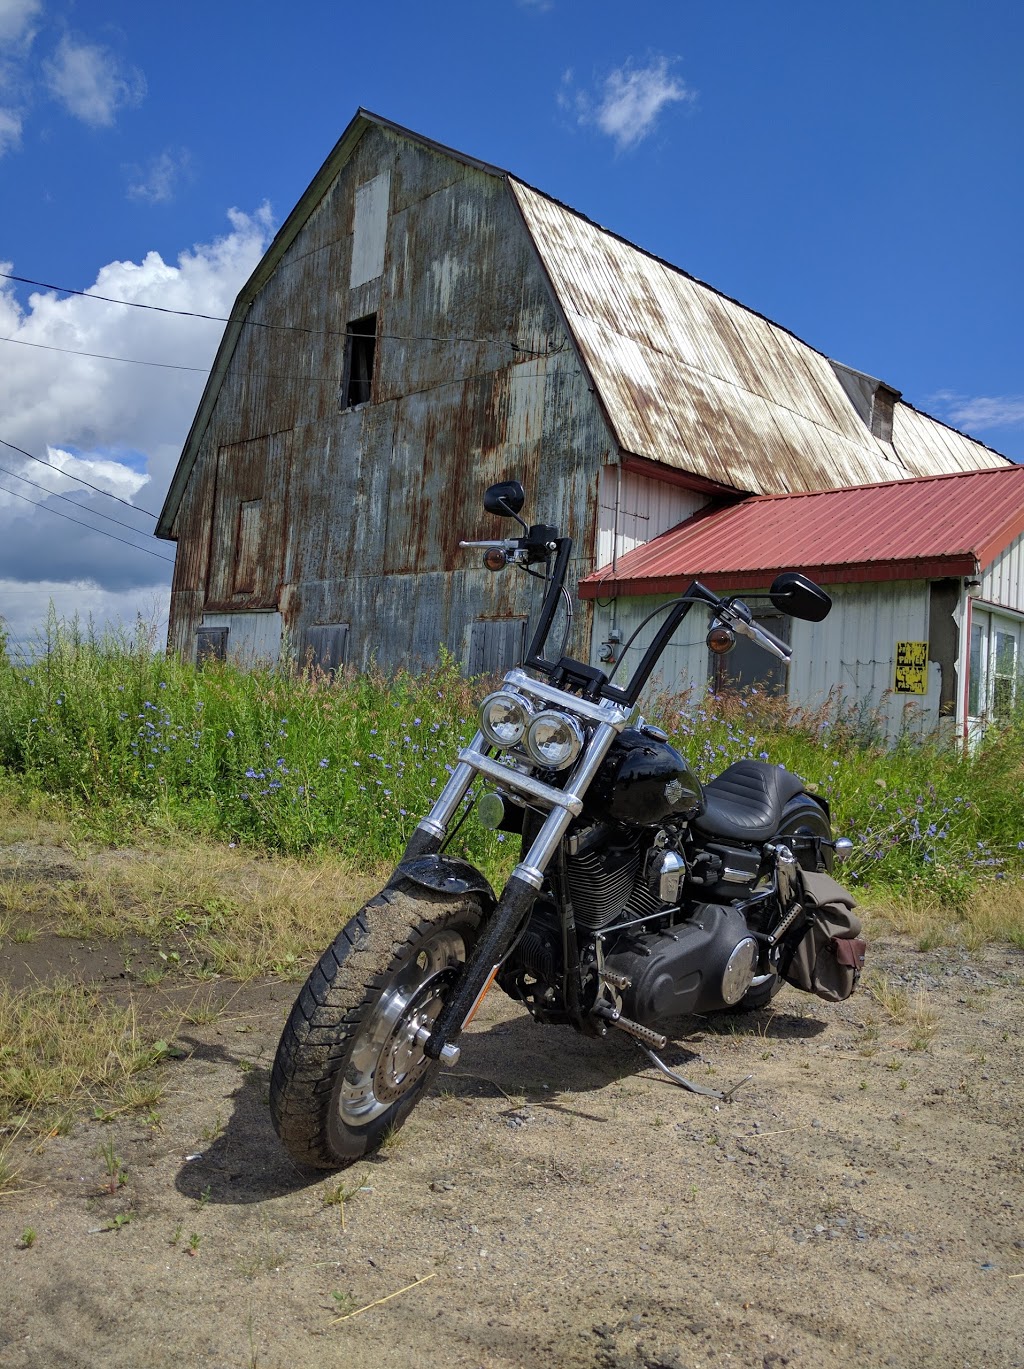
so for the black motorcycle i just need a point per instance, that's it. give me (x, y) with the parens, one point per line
(640, 895)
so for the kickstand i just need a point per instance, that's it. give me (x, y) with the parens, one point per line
(687, 1083)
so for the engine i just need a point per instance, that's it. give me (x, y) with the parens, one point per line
(605, 872)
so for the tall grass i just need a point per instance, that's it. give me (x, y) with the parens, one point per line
(293, 762)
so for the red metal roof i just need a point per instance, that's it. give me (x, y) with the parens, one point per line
(901, 530)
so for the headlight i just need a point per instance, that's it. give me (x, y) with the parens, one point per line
(554, 740)
(504, 718)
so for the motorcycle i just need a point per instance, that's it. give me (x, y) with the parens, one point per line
(640, 895)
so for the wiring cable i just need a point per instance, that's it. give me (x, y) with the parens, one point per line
(257, 323)
(54, 495)
(136, 508)
(92, 528)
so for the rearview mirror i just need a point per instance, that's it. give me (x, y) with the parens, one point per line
(505, 499)
(799, 597)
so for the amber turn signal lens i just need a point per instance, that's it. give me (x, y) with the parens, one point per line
(721, 640)
(495, 559)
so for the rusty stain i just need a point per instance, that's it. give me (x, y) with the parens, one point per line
(514, 339)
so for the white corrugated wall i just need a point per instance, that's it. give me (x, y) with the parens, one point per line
(849, 658)
(1003, 582)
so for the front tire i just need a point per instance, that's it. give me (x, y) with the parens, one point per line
(349, 1068)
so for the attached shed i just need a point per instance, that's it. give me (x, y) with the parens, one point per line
(927, 580)
(425, 324)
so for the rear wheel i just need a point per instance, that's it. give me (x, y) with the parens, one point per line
(350, 1066)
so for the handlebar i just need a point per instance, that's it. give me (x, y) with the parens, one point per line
(764, 639)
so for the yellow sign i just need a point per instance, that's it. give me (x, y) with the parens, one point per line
(911, 668)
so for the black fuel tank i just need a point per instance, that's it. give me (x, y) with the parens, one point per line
(644, 782)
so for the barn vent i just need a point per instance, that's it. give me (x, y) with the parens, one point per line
(873, 399)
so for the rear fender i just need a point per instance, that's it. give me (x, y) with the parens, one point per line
(806, 827)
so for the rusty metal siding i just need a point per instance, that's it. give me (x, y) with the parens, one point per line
(474, 381)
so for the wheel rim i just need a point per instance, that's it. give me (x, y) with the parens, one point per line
(387, 1059)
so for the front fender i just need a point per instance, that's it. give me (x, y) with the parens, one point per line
(445, 875)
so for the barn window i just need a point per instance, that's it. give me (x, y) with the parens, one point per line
(360, 345)
(211, 644)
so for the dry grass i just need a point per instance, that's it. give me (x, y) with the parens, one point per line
(912, 1012)
(63, 1042)
(213, 910)
(994, 912)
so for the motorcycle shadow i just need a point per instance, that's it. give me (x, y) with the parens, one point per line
(510, 1058)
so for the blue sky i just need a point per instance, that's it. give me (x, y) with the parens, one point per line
(854, 173)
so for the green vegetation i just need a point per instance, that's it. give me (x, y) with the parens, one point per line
(129, 742)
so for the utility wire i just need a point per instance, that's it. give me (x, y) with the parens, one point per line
(256, 323)
(95, 512)
(92, 528)
(137, 508)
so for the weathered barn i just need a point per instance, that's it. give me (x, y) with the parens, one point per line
(425, 324)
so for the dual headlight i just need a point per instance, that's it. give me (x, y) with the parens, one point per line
(551, 739)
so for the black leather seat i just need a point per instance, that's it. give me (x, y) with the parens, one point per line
(746, 801)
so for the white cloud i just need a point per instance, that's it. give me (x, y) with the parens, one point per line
(10, 130)
(159, 181)
(16, 18)
(981, 412)
(91, 82)
(24, 610)
(119, 426)
(629, 102)
(16, 34)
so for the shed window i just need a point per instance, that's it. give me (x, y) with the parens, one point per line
(360, 346)
(211, 644)
(748, 666)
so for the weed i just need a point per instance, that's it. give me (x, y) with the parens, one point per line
(204, 1197)
(211, 1132)
(176, 1234)
(194, 1242)
(28, 1238)
(119, 1221)
(116, 1172)
(340, 1194)
(24, 935)
(344, 1303)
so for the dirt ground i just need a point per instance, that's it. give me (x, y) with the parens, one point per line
(554, 1201)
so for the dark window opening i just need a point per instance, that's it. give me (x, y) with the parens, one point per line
(360, 346)
(882, 404)
(211, 644)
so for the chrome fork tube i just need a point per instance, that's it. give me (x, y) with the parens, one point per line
(435, 824)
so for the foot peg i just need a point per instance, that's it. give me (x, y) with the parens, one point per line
(639, 1033)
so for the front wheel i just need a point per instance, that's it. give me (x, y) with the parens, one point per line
(350, 1066)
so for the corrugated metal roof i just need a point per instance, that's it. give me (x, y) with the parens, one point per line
(909, 529)
(687, 377)
(692, 379)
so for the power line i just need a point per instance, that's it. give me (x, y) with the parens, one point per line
(102, 532)
(54, 495)
(105, 356)
(257, 323)
(137, 508)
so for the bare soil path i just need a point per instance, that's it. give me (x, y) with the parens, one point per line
(554, 1202)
